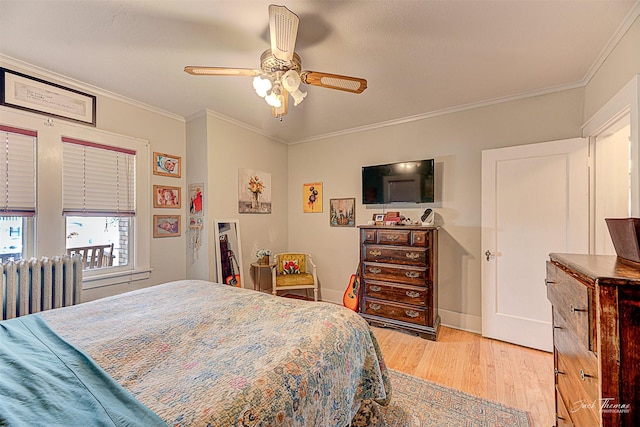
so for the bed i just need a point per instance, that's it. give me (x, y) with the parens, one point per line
(191, 353)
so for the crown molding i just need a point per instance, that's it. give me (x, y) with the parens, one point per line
(444, 111)
(626, 24)
(26, 68)
(211, 113)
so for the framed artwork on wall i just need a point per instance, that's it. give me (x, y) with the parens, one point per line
(342, 212)
(167, 165)
(196, 199)
(31, 94)
(312, 197)
(166, 197)
(166, 225)
(254, 191)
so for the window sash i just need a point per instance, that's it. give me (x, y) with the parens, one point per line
(97, 179)
(17, 171)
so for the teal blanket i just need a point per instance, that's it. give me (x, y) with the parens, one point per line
(44, 381)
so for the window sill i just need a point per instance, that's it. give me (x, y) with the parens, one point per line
(115, 278)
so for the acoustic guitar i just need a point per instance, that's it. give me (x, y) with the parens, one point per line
(233, 279)
(350, 297)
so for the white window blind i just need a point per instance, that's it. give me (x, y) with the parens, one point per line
(17, 171)
(98, 180)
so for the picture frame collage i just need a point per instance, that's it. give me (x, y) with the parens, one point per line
(167, 196)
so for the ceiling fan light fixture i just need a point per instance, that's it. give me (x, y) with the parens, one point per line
(274, 100)
(291, 82)
(262, 86)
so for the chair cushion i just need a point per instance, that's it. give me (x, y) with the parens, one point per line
(294, 279)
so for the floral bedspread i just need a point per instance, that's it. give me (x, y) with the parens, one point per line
(203, 354)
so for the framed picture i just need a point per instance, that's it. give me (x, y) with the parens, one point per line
(254, 191)
(312, 197)
(378, 217)
(39, 96)
(196, 199)
(342, 212)
(166, 225)
(167, 165)
(166, 197)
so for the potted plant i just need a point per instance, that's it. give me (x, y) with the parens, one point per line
(263, 256)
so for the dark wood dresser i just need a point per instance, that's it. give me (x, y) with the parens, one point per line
(596, 338)
(399, 285)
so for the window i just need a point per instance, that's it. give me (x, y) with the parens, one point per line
(18, 191)
(99, 198)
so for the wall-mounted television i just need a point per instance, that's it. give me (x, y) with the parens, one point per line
(403, 182)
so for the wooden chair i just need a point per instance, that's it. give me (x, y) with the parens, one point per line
(97, 256)
(294, 271)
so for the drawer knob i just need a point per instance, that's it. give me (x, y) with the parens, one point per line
(584, 376)
(412, 294)
(575, 310)
(375, 288)
(548, 282)
(557, 372)
(557, 327)
(412, 255)
(412, 313)
(374, 270)
(375, 307)
(412, 274)
(375, 253)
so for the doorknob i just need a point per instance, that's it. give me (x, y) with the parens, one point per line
(489, 254)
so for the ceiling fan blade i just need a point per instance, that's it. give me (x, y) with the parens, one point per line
(334, 81)
(220, 71)
(283, 30)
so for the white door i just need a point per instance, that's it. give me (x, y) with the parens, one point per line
(535, 201)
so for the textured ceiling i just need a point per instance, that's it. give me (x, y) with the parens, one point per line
(419, 57)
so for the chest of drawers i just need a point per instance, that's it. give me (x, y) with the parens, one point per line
(399, 286)
(596, 339)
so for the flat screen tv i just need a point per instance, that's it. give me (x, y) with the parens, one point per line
(403, 182)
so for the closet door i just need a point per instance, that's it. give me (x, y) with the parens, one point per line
(535, 201)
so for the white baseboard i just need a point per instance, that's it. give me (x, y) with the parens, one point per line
(462, 321)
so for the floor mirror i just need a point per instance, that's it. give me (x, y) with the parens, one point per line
(228, 252)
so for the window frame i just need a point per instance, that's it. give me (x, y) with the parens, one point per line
(49, 225)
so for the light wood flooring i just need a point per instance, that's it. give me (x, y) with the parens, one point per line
(516, 376)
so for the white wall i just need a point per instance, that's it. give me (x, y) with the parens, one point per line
(455, 141)
(230, 147)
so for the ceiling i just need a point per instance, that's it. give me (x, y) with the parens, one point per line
(419, 57)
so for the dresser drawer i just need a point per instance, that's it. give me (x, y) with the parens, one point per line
(409, 275)
(369, 236)
(420, 238)
(580, 398)
(405, 294)
(394, 237)
(395, 254)
(396, 311)
(562, 415)
(571, 301)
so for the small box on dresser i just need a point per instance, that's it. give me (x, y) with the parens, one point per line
(596, 338)
(399, 280)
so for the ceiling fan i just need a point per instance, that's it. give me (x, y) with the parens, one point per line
(280, 72)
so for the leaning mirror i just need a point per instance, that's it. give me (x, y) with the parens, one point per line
(228, 252)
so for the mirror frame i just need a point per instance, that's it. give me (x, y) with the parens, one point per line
(237, 251)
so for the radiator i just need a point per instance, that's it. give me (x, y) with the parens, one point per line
(40, 284)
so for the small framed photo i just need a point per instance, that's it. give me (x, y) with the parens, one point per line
(378, 217)
(167, 165)
(342, 212)
(166, 225)
(166, 197)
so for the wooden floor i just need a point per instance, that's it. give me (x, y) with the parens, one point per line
(494, 370)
